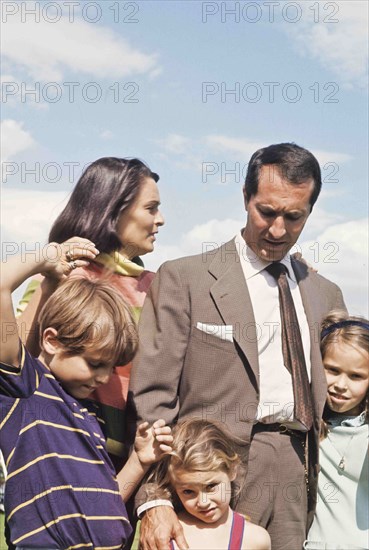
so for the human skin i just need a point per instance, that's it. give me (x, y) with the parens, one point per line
(347, 371)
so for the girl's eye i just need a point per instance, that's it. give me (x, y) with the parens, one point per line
(331, 370)
(211, 486)
(187, 492)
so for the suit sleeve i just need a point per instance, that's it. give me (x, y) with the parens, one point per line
(340, 303)
(164, 330)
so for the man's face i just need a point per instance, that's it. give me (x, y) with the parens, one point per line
(276, 215)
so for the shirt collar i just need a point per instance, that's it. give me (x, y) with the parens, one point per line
(252, 264)
(351, 421)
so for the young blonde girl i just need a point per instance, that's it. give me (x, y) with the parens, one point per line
(342, 514)
(198, 475)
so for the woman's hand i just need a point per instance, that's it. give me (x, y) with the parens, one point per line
(152, 442)
(61, 259)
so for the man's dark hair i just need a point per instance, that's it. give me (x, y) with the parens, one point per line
(295, 164)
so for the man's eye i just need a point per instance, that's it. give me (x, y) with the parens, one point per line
(293, 217)
(267, 213)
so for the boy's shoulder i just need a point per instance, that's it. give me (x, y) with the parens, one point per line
(21, 380)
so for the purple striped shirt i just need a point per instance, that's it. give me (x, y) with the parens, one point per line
(61, 490)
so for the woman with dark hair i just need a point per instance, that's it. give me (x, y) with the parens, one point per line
(115, 204)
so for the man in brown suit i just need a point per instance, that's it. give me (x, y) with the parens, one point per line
(210, 346)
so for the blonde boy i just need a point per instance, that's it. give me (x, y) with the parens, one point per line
(61, 489)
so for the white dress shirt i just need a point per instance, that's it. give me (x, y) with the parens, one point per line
(275, 383)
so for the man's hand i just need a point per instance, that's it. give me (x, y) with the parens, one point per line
(158, 527)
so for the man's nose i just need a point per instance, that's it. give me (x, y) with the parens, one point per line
(277, 229)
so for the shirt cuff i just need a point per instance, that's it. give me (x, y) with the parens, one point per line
(152, 504)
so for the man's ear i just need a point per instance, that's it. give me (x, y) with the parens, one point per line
(245, 197)
(50, 342)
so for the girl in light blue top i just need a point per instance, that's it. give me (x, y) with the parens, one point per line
(342, 515)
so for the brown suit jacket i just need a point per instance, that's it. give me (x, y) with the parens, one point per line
(180, 371)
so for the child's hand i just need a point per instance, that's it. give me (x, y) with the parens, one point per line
(152, 441)
(61, 259)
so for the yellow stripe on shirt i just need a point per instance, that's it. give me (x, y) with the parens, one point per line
(62, 518)
(53, 455)
(59, 426)
(16, 402)
(61, 488)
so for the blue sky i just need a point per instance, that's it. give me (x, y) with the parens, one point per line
(193, 88)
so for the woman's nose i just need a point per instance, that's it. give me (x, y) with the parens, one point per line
(159, 220)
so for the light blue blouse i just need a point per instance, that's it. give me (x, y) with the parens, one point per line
(342, 515)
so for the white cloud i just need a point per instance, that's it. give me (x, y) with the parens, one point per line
(106, 134)
(46, 51)
(14, 139)
(338, 39)
(27, 216)
(215, 154)
(175, 143)
(243, 148)
(339, 252)
(320, 219)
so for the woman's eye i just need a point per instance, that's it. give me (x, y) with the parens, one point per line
(187, 492)
(211, 486)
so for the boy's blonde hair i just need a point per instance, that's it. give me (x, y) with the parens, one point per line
(340, 327)
(198, 445)
(91, 316)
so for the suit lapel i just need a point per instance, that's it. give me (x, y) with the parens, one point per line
(232, 299)
(311, 299)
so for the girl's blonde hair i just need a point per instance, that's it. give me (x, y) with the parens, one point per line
(91, 316)
(340, 327)
(198, 445)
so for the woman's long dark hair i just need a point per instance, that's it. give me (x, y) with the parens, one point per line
(106, 188)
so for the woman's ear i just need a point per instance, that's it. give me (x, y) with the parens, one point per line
(50, 342)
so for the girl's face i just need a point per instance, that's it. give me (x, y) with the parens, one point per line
(138, 225)
(347, 372)
(204, 495)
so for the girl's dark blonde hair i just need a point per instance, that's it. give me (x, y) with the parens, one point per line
(89, 315)
(340, 327)
(198, 445)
